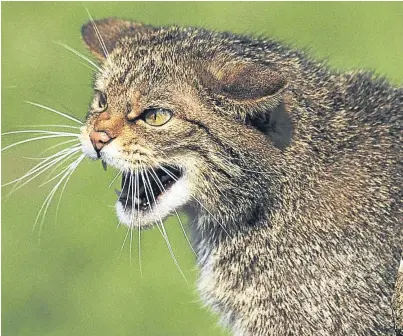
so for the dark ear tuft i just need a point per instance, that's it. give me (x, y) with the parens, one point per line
(103, 34)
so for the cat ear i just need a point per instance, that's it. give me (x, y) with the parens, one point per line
(101, 35)
(253, 93)
(244, 83)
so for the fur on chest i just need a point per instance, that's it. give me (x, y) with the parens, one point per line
(260, 286)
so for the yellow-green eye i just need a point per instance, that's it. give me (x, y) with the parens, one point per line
(157, 116)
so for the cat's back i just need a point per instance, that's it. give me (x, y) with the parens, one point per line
(371, 131)
(374, 101)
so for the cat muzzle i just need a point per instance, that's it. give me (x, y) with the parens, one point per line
(99, 139)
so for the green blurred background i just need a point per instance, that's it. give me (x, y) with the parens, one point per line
(75, 280)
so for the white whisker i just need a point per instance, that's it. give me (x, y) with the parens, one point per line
(59, 144)
(128, 190)
(114, 179)
(73, 167)
(119, 222)
(54, 111)
(61, 162)
(164, 233)
(56, 176)
(35, 139)
(137, 186)
(45, 164)
(40, 171)
(124, 241)
(32, 158)
(44, 208)
(146, 193)
(40, 132)
(162, 189)
(127, 199)
(50, 125)
(86, 65)
(74, 51)
(100, 39)
(132, 217)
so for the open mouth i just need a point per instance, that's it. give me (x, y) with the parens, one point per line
(142, 189)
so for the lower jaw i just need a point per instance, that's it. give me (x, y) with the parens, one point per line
(144, 215)
(140, 218)
(174, 197)
(133, 216)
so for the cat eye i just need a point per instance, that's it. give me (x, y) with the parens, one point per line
(157, 116)
(102, 101)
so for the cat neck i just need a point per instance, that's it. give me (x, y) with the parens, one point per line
(209, 233)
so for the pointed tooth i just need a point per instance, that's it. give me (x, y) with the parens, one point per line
(118, 192)
(104, 165)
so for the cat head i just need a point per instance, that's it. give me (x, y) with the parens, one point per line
(184, 116)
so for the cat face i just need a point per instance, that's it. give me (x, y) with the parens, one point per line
(170, 112)
(138, 123)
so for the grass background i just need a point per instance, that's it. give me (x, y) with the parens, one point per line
(76, 280)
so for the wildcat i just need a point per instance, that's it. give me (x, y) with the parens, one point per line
(292, 172)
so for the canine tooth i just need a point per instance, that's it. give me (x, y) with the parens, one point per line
(104, 165)
(118, 192)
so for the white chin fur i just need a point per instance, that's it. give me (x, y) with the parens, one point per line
(175, 197)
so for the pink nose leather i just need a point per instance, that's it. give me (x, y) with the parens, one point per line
(99, 139)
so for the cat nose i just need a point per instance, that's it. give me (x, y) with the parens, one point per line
(99, 139)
